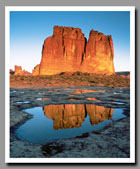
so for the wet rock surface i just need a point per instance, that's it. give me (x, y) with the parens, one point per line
(113, 141)
(109, 143)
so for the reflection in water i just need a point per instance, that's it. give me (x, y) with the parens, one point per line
(98, 114)
(73, 99)
(23, 102)
(71, 95)
(119, 103)
(42, 99)
(51, 91)
(45, 99)
(39, 99)
(41, 93)
(93, 99)
(80, 91)
(72, 119)
(73, 115)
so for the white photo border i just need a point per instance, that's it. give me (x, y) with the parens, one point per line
(131, 9)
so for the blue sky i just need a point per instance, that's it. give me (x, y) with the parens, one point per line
(28, 30)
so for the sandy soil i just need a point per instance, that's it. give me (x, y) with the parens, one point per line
(69, 79)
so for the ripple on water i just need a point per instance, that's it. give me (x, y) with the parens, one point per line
(119, 103)
(23, 102)
(42, 99)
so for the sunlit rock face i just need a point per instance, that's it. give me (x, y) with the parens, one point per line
(128, 76)
(26, 73)
(73, 115)
(63, 51)
(18, 70)
(67, 50)
(99, 54)
(36, 70)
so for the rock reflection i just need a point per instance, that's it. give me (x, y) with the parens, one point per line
(66, 115)
(42, 99)
(81, 91)
(93, 99)
(45, 99)
(73, 99)
(73, 115)
(98, 114)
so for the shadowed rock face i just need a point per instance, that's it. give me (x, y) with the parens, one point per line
(73, 115)
(11, 72)
(67, 50)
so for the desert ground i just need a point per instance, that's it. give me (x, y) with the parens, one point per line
(112, 141)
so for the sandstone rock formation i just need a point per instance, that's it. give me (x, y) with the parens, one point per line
(99, 54)
(19, 71)
(11, 72)
(128, 76)
(26, 73)
(36, 70)
(67, 50)
(63, 51)
(123, 76)
(73, 115)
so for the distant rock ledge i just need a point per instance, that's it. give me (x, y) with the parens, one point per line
(19, 71)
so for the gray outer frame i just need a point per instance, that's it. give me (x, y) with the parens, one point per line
(4, 3)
